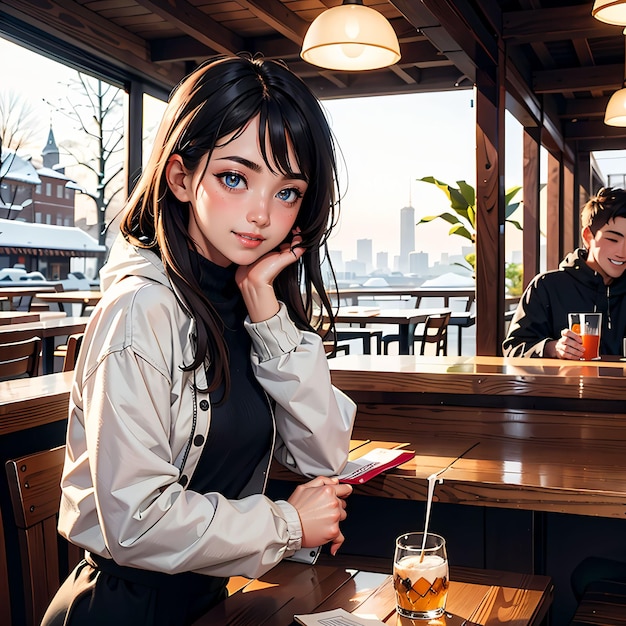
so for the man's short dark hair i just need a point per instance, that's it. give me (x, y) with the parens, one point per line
(606, 205)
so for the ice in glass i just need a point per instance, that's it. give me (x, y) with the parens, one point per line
(420, 575)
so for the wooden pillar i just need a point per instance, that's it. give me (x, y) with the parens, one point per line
(554, 244)
(530, 190)
(134, 134)
(570, 212)
(490, 287)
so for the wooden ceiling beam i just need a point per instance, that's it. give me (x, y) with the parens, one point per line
(428, 23)
(580, 108)
(275, 14)
(369, 84)
(68, 21)
(554, 24)
(592, 129)
(607, 143)
(193, 22)
(579, 79)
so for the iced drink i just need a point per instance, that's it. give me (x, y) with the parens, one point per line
(420, 581)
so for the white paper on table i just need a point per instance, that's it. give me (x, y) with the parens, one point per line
(338, 617)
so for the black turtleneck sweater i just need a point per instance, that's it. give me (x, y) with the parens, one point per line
(240, 431)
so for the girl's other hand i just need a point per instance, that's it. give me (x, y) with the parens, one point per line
(321, 506)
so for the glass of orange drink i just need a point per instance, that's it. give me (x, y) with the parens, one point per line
(588, 326)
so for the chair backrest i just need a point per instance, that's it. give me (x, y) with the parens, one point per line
(35, 488)
(71, 352)
(436, 331)
(19, 359)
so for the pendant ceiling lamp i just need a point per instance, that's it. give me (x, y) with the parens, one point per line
(615, 114)
(351, 37)
(610, 11)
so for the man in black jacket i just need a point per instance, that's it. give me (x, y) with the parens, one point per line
(590, 279)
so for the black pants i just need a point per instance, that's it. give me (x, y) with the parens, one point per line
(101, 593)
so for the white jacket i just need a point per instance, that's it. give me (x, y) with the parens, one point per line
(131, 425)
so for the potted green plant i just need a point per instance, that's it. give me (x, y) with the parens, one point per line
(514, 275)
(463, 218)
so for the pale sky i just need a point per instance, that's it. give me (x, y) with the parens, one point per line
(386, 142)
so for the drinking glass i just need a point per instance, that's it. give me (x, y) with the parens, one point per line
(588, 326)
(420, 575)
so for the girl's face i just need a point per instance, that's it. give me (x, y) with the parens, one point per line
(239, 209)
(607, 249)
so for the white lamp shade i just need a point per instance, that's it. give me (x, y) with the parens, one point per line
(351, 37)
(615, 114)
(610, 11)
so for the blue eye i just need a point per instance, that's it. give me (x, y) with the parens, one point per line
(289, 195)
(231, 180)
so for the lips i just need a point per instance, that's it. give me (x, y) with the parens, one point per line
(249, 240)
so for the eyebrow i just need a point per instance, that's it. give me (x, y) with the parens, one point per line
(255, 167)
(614, 232)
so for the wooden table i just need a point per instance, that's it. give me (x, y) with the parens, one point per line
(29, 402)
(405, 319)
(84, 298)
(23, 291)
(18, 317)
(475, 596)
(533, 434)
(47, 328)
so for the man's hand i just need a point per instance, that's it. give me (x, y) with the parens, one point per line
(569, 346)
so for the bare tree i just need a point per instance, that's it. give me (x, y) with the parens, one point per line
(20, 123)
(97, 109)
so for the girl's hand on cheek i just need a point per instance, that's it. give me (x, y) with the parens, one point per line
(255, 281)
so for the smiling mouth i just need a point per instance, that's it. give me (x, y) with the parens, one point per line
(249, 237)
(248, 240)
(618, 263)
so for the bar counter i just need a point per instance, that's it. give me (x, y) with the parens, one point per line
(484, 375)
(533, 434)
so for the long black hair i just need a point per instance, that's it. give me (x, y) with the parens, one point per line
(218, 99)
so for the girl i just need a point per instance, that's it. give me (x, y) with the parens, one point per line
(200, 362)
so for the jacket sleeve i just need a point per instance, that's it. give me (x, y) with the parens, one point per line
(532, 324)
(314, 420)
(147, 519)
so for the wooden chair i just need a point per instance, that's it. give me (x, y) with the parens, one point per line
(20, 359)
(463, 319)
(435, 331)
(70, 353)
(35, 488)
(365, 336)
(333, 350)
(604, 602)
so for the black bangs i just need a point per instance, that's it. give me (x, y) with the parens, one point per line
(281, 124)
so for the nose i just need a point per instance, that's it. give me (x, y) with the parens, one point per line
(259, 213)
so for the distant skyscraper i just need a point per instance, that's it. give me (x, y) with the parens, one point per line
(355, 268)
(407, 236)
(364, 252)
(382, 261)
(418, 263)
